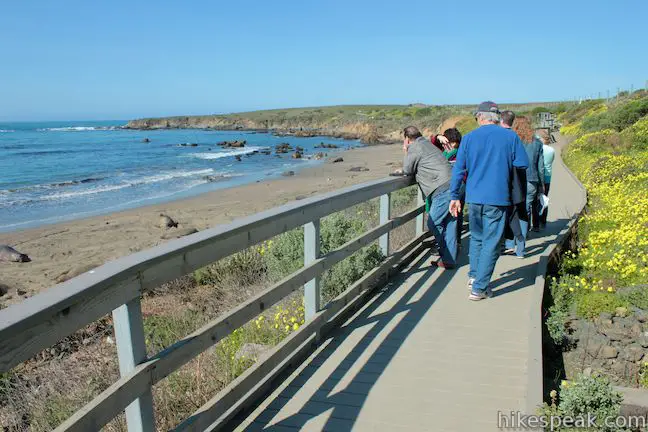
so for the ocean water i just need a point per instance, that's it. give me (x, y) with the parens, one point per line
(57, 171)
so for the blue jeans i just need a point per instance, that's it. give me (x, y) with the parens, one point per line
(444, 227)
(519, 243)
(486, 230)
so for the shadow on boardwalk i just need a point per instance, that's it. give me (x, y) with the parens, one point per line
(342, 404)
(341, 392)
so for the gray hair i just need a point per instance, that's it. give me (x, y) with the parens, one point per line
(490, 117)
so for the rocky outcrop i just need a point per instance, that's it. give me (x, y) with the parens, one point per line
(613, 344)
(232, 144)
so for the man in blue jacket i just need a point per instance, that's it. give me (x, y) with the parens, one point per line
(488, 155)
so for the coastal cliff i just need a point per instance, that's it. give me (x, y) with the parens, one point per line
(372, 124)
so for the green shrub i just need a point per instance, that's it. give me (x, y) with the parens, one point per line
(629, 113)
(286, 255)
(162, 331)
(342, 275)
(591, 305)
(243, 268)
(466, 124)
(637, 297)
(590, 395)
(405, 197)
(556, 324)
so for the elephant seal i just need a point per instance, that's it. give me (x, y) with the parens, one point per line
(7, 253)
(167, 222)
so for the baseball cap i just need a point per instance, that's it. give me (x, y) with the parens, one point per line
(488, 106)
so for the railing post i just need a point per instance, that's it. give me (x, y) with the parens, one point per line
(385, 215)
(420, 227)
(311, 253)
(131, 350)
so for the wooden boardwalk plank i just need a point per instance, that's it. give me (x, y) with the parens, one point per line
(420, 356)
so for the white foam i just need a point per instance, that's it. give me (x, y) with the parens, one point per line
(6, 130)
(220, 155)
(172, 175)
(78, 128)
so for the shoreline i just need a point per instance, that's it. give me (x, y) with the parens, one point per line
(63, 250)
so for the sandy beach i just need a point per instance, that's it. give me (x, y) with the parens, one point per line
(64, 250)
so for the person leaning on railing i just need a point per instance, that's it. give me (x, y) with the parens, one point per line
(432, 172)
(449, 144)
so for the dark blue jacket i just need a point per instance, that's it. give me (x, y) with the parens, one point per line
(536, 170)
(488, 154)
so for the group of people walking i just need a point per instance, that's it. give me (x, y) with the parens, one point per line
(501, 169)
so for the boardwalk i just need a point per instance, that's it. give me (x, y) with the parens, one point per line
(420, 356)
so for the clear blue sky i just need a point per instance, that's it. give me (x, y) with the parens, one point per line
(74, 59)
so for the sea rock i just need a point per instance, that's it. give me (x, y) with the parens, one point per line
(75, 271)
(232, 144)
(288, 173)
(283, 148)
(319, 156)
(266, 152)
(146, 140)
(167, 222)
(251, 351)
(358, 169)
(188, 145)
(608, 352)
(299, 149)
(297, 155)
(212, 178)
(328, 146)
(179, 233)
(238, 158)
(9, 254)
(337, 159)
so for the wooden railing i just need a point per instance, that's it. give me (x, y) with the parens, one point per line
(41, 321)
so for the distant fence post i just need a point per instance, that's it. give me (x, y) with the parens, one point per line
(311, 253)
(385, 215)
(131, 350)
(420, 218)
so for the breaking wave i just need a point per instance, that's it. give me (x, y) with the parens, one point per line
(220, 155)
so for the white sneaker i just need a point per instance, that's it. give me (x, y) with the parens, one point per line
(470, 283)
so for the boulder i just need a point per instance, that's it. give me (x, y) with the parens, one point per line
(166, 222)
(608, 352)
(146, 140)
(238, 158)
(633, 353)
(299, 149)
(337, 159)
(641, 316)
(297, 155)
(621, 311)
(179, 233)
(4, 289)
(643, 340)
(251, 351)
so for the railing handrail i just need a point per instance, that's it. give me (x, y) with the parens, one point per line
(128, 271)
(38, 322)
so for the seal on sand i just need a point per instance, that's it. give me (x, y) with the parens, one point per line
(167, 222)
(7, 253)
